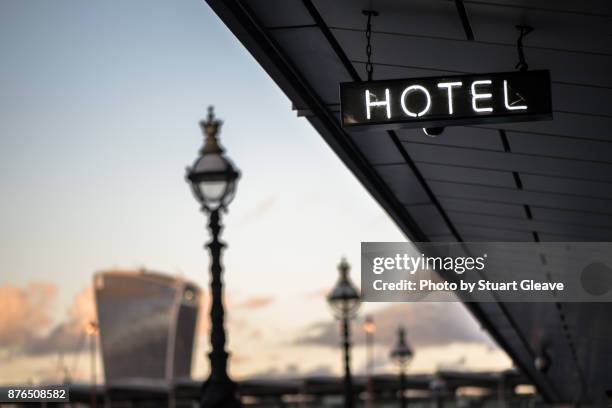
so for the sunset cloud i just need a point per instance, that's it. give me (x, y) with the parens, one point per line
(68, 335)
(255, 302)
(24, 312)
(26, 326)
(427, 325)
(261, 209)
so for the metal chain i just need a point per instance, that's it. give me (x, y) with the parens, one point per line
(368, 34)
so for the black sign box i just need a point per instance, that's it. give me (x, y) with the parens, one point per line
(447, 101)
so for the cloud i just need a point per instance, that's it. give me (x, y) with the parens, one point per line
(458, 364)
(317, 294)
(289, 371)
(26, 325)
(427, 325)
(261, 209)
(24, 312)
(236, 315)
(320, 371)
(69, 335)
(255, 302)
(29, 332)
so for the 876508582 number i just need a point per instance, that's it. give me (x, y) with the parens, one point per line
(24, 394)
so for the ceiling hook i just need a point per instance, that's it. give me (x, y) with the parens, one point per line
(523, 31)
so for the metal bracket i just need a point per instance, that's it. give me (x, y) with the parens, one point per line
(523, 31)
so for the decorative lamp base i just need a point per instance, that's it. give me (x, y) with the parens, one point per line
(220, 394)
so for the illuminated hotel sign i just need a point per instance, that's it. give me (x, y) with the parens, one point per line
(447, 101)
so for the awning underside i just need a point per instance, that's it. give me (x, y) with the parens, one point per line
(535, 181)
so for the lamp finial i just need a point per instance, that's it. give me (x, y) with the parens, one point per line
(210, 128)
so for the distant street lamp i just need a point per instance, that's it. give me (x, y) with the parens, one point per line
(402, 354)
(370, 328)
(438, 387)
(344, 300)
(92, 329)
(213, 180)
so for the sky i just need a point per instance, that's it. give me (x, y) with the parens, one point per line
(99, 107)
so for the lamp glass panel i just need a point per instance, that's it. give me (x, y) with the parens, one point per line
(213, 191)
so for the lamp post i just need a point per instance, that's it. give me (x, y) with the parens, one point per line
(92, 329)
(213, 180)
(369, 327)
(344, 300)
(402, 354)
(438, 387)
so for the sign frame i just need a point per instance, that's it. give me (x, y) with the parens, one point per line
(503, 97)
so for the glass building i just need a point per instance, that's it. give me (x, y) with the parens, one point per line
(147, 325)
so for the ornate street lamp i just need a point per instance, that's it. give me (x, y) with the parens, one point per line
(93, 329)
(370, 328)
(402, 354)
(438, 388)
(344, 300)
(213, 180)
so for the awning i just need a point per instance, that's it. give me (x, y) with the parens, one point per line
(535, 181)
